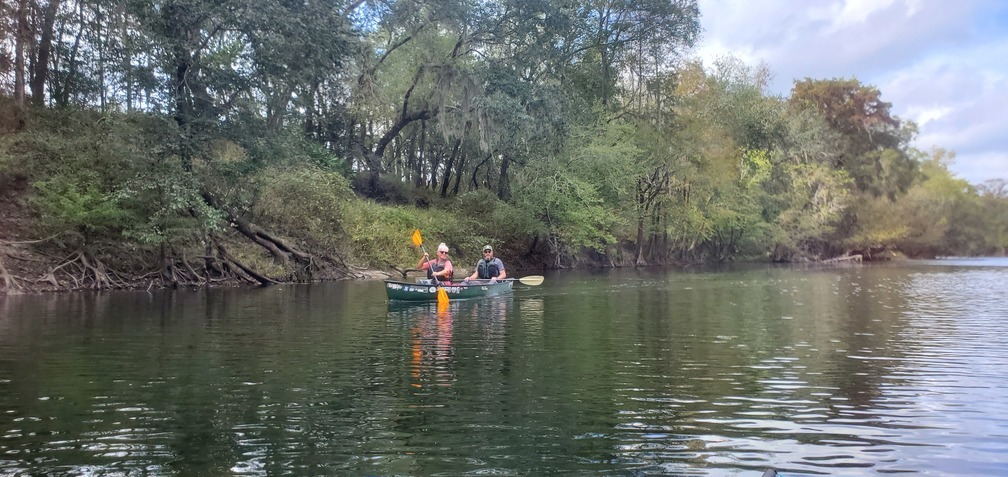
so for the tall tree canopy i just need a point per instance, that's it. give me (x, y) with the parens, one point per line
(873, 148)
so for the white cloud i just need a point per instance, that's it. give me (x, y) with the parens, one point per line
(940, 63)
(855, 12)
(922, 115)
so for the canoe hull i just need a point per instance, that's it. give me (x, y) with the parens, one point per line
(416, 292)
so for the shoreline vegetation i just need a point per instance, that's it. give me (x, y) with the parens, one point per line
(303, 223)
(153, 144)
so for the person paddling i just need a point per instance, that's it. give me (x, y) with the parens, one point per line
(439, 268)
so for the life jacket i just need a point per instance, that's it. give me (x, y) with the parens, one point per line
(435, 266)
(487, 269)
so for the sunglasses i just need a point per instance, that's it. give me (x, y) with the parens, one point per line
(488, 251)
(443, 252)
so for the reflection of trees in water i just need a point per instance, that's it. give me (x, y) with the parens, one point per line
(735, 354)
(489, 324)
(795, 339)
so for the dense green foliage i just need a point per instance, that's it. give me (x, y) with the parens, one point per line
(290, 134)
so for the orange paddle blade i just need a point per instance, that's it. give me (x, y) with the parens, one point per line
(442, 296)
(443, 311)
(417, 239)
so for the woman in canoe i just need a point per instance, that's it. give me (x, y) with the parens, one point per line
(439, 268)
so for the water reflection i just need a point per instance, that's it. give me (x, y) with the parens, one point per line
(807, 373)
(638, 372)
(431, 345)
(431, 328)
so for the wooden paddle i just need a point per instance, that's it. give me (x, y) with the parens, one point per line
(532, 280)
(442, 295)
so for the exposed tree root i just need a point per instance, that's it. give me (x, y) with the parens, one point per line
(10, 281)
(401, 271)
(219, 266)
(176, 271)
(82, 270)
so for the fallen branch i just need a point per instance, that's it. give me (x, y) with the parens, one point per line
(845, 258)
(262, 279)
(27, 242)
(280, 249)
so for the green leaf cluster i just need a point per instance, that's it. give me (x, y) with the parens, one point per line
(77, 208)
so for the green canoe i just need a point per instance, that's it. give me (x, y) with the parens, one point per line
(406, 291)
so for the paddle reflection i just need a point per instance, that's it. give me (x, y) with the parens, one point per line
(436, 335)
(432, 355)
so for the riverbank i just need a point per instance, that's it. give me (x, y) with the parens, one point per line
(33, 259)
(31, 262)
(27, 267)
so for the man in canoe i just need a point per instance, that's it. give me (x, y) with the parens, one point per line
(439, 268)
(489, 267)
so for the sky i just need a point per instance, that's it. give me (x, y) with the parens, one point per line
(941, 63)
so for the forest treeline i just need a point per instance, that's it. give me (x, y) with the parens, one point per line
(184, 142)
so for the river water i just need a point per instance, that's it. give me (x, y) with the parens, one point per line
(842, 371)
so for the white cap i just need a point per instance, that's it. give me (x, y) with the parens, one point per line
(442, 247)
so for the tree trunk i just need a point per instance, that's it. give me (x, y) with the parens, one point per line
(639, 261)
(473, 181)
(123, 31)
(458, 175)
(41, 73)
(448, 168)
(277, 108)
(278, 248)
(414, 164)
(61, 92)
(20, 40)
(503, 186)
(182, 34)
